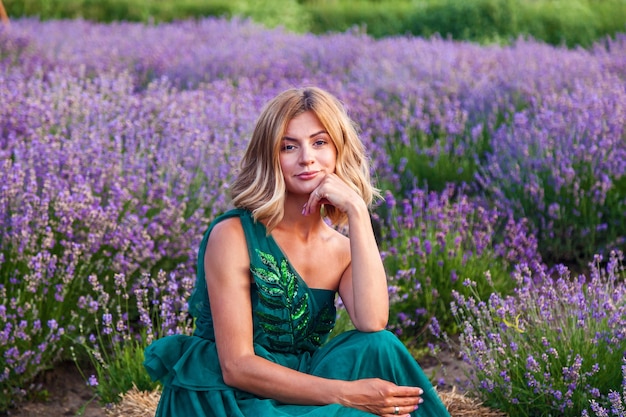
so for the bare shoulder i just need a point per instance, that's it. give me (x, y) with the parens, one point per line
(340, 243)
(229, 229)
(227, 246)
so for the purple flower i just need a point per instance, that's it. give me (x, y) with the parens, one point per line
(93, 381)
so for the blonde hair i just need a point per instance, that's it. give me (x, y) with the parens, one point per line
(260, 186)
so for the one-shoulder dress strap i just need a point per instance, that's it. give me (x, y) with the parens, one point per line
(257, 239)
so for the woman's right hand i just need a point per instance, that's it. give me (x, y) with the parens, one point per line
(381, 398)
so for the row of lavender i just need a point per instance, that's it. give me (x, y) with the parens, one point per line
(118, 142)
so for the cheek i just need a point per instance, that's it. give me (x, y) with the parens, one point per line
(331, 158)
(286, 163)
(282, 167)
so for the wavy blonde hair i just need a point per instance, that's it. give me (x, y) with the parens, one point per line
(260, 186)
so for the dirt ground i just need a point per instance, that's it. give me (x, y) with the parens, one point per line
(69, 395)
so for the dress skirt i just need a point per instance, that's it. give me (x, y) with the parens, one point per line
(193, 384)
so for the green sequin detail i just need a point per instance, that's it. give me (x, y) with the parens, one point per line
(287, 313)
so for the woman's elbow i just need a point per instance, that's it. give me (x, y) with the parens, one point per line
(232, 373)
(370, 329)
(229, 377)
(371, 326)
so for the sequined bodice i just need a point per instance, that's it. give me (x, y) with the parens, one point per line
(288, 316)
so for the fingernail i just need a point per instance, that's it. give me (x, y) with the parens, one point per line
(421, 400)
(303, 209)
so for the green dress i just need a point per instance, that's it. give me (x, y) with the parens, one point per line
(291, 327)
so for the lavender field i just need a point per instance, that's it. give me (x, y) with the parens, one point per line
(503, 170)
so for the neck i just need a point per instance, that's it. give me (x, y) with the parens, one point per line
(295, 221)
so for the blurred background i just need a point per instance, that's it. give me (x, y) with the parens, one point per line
(557, 22)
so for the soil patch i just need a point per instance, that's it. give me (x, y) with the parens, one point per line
(68, 395)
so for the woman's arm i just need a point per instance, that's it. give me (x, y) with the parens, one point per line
(227, 268)
(363, 286)
(228, 279)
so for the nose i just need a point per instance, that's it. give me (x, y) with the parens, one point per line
(306, 156)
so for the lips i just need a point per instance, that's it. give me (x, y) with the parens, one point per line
(307, 175)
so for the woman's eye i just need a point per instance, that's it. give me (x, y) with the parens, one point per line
(288, 147)
(320, 142)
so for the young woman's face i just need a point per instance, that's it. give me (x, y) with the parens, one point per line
(307, 154)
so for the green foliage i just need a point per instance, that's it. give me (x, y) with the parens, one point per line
(478, 20)
(272, 13)
(118, 10)
(563, 22)
(377, 19)
(610, 15)
(118, 371)
(570, 22)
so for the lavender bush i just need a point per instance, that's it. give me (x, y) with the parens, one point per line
(93, 185)
(617, 406)
(552, 348)
(118, 142)
(562, 164)
(428, 142)
(115, 341)
(432, 242)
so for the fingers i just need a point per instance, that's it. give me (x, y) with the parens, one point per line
(401, 409)
(384, 398)
(316, 199)
(404, 391)
(405, 401)
(319, 196)
(332, 191)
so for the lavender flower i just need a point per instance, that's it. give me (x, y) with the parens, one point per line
(558, 335)
(433, 242)
(93, 381)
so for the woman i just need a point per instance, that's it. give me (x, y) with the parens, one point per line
(268, 274)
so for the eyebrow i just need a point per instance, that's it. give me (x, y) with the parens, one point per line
(310, 137)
